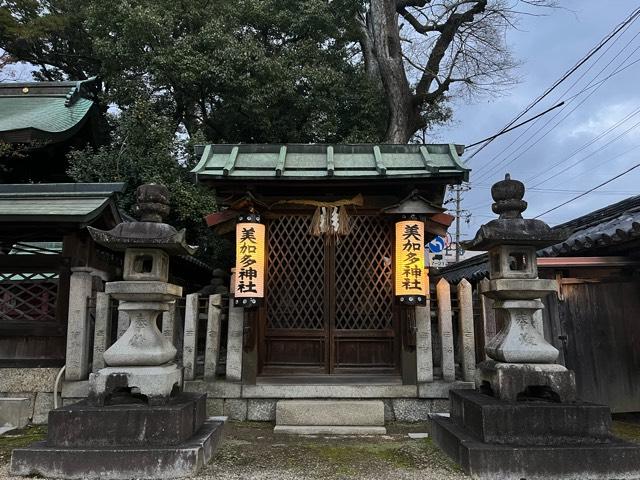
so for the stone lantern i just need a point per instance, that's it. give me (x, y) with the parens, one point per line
(136, 422)
(142, 358)
(523, 420)
(522, 361)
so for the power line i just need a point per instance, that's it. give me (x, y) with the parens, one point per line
(589, 87)
(589, 191)
(516, 126)
(588, 144)
(590, 54)
(502, 164)
(591, 155)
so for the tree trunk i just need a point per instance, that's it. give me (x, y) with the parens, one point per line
(382, 24)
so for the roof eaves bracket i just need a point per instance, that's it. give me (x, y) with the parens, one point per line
(380, 166)
(281, 160)
(455, 157)
(330, 164)
(426, 158)
(231, 162)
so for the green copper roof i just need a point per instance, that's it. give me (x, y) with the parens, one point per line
(48, 114)
(60, 202)
(335, 162)
(43, 110)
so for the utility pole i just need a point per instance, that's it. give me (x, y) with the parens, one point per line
(458, 201)
(459, 212)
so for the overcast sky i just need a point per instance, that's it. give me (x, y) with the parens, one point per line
(548, 46)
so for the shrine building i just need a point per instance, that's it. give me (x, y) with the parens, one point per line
(330, 297)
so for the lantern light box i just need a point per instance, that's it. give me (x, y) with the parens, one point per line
(411, 274)
(250, 261)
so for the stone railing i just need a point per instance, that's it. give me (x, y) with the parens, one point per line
(444, 336)
(208, 330)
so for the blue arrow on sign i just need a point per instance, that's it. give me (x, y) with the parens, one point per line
(436, 245)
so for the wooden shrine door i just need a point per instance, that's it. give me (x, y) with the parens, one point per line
(329, 304)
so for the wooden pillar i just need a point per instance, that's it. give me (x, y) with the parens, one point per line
(443, 292)
(102, 335)
(190, 346)
(212, 349)
(465, 327)
(424, 348)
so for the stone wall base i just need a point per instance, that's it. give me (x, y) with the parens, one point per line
(405, 410)
(403, 403)
(35, 384)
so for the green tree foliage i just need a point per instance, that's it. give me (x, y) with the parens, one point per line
(219, 71)
(241, 71)
(144, 149)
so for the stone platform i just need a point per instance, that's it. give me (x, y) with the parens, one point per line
(337, 417)
(493, 439)
(123, 441)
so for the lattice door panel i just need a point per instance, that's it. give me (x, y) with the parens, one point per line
(28, 297)
(364, 291)
(296, 272)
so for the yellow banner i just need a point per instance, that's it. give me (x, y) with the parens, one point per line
(250, 253)
(411, 275)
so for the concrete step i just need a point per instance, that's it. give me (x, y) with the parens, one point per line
(338, 417)
(14, 411)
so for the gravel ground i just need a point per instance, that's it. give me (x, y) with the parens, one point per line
(251, 451)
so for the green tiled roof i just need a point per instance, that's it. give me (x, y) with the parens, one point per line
(60, 202)
(311, 162)
(48, 114)
(47, 108)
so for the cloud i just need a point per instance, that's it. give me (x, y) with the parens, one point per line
(604, 118)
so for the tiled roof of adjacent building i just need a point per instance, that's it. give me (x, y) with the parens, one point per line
(612, 226)
(330, 162)
(44, 111)
(57, 202)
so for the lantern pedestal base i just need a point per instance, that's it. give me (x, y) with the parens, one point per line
(494, 439)
(521, 381)
(154, 383)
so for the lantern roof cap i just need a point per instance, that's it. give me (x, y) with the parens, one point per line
(510, 228)
(152, 205)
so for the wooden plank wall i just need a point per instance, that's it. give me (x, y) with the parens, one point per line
(601, 322)
(596, 328)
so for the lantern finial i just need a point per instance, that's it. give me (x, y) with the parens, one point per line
(507, 195)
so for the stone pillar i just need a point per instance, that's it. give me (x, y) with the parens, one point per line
(443, 292)
(234, 343)
(169, 325)
(212, 349)
(465, 325)
(102, 330)
(424, 347)
(488, 313)
(78, 328)
(190, 346)
(234, 340)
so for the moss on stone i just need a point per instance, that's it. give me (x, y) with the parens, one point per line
(20, 438)
(627, 431)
